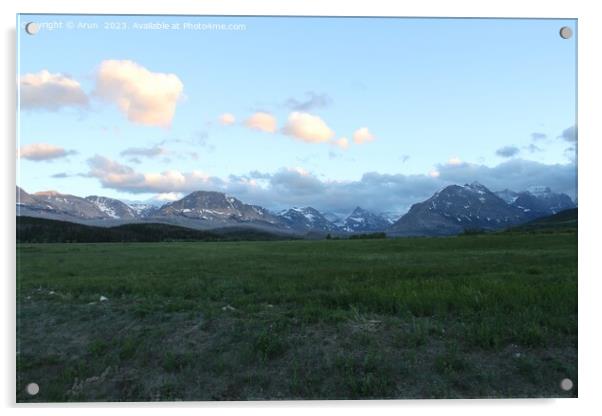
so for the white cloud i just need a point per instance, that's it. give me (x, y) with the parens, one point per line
(362, 136)
(507, 151)
(227, 119)
(262, 121)
(538, 136)
(532, 148)
(301, 171)
(454, 161)
(342, 143)
(168, 196)
(121, 177)
(571, 153)
(295, 183)
(569, 134)
(307, 128)
(145, 97)
(314, 100)
(43, 151)
(515, 174)
(48, 91)
(296, 186)
(144, 151)
(383, 192)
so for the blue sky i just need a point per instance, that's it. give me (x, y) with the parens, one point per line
(429, 102)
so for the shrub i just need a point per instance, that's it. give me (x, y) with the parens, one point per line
(368, 236)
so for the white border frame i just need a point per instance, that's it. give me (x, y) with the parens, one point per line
(590, 273)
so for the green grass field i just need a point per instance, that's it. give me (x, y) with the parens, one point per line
(470, 316)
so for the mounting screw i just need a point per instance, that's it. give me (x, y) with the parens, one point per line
(566, 32)
(32, 28)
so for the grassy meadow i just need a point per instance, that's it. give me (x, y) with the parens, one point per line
(491, 315)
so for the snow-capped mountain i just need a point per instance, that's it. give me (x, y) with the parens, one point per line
(361, 220)
(507, 195)
(457, 208)
(217, 209)
(449, 211)
(336, 219)
(391, 217)
(539, 191)
(306, 219)
(113, 208)
(537, 201)
(24, 199)
(53, 202)
(143, 209)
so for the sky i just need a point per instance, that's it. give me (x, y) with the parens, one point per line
(287, 111)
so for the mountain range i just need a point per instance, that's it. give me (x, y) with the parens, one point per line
(452, 210)
(456, 208)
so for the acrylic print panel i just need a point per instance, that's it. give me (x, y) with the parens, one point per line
(268, 208)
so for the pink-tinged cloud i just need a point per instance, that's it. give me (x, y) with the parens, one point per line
(168, 196)
(227, 119)
(145, 97)
(47, 91)
(290, 186)
(262, 121)
(121, 177)
(362, 136)
(43, 151)
(342, 143)
(455, 161)
(307, 128)
(144, 151)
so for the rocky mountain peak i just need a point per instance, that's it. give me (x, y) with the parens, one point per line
(361, 220)
(306, 219)
(456, 208)
(49, 193)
